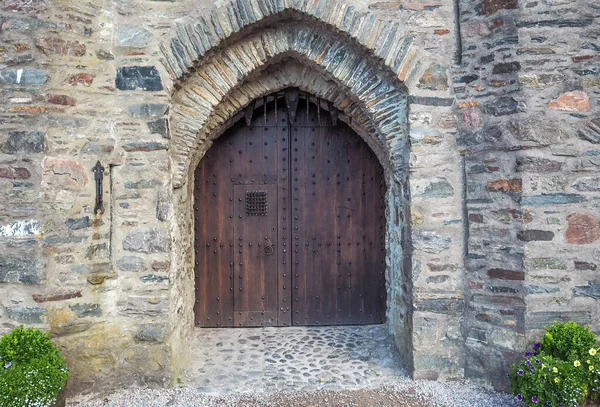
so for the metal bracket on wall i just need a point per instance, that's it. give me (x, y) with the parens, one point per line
(98, 171)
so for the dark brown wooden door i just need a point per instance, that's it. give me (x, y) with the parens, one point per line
(289, 222)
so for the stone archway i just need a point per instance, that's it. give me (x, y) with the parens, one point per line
(215, 80)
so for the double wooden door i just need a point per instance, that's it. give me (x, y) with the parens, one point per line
(289, 221)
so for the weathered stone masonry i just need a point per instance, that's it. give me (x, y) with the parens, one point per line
(490, 151)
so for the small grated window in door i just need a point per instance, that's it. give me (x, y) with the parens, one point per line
(256, 203)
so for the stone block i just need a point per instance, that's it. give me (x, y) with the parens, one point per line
(67, 174)
(158, 265)
(545, 263)
(490, 7)
(582, 228)
(58, 46)
(40, 298)
(453, 306)
(97, 251)
(592, 290)
(532, 235)
(587, 184)
(504, 274)
(506, 67)
(131, 263)
(84, 79)
(78, 223)
(62, 100)
(143, 184)
(502, 106)
(431, 242)
(28, 142)
(434, 78)
(437, 189)
(132, 35)
(25, 269)
(21, 228)
(147, 240)
(26, 314)
(591, 131)
(537, 165)
(14, 173)
(505, 185)
(154, 332)
(147, 110)
(159, 126)
(144, 78)
(23, 77)
(86, 310)
(584, 265)
(551, 199)
(163, 205)
(153, 278)
(536, 289)
(99, 147)
(576, 101)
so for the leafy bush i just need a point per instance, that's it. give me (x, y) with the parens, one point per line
(543, 380)
(561, 370)
(567, 340)
(32, 371)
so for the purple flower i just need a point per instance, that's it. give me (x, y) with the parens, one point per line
(548, 403)
(519, 397)
(537, 361)
(537, 346)
(9, 364)
(527, 362)
(520, 372)
(531, 368)
(527, 354)
(534, 399)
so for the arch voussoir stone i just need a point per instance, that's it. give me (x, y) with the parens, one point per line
(364, 83)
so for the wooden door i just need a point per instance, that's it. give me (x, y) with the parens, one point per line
(289, 222)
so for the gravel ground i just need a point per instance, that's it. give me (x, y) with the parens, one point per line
(401, 392)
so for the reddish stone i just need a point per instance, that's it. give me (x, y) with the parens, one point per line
(505, 185)
(14, 173)
(21, 47)
(492, 6)
(475, 30)
(576, 101)
(61, 100)
(129, 223)
(476, 285)
(503, 274)
(441, 32)
(472, 118)
(61, 47)
(579, 58)
(39, 298)
(85, 79)
(68, 174)
(468, 104)
(476, 217)
(583, 228)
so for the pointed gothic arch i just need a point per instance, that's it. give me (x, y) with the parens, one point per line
(217, 72)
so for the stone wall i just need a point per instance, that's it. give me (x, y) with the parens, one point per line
(491, 159)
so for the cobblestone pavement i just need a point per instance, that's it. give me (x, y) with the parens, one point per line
(239, 360)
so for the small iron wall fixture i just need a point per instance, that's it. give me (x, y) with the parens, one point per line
(99, 176)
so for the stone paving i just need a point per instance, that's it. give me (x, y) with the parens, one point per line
(293, 358)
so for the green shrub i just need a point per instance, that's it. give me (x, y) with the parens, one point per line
(541, 380)
(32, 371)
(561, 370)
(567, 340)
